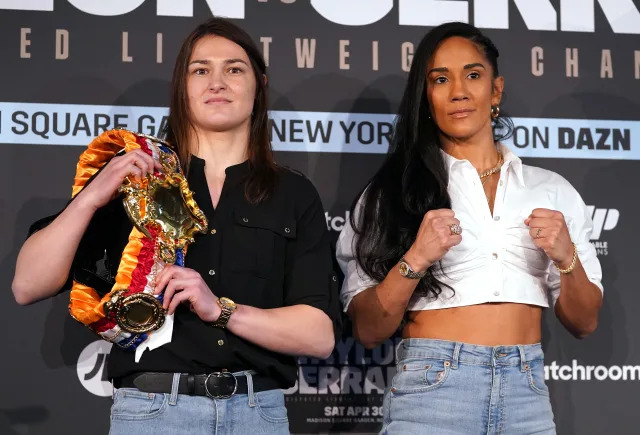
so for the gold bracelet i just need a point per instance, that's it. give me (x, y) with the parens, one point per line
(574, 260)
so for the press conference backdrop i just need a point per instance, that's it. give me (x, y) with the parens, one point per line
(73, 68)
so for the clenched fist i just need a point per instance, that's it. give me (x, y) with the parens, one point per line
(434, 239)
(549, 231)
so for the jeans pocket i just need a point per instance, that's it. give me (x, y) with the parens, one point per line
(271, 406)
(535, 375)
(133, 404)
(417, 376)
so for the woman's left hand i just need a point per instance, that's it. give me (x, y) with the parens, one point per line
(549, 232)
(181, 284)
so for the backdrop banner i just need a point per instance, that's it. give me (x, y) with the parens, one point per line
(72, 69)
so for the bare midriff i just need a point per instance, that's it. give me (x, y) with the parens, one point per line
(491, 324)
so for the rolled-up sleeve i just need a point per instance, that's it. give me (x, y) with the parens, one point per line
(580, 227)
(355, 279)
(98, 255)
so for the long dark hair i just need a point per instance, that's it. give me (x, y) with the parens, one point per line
(262, 177)
(413, 178)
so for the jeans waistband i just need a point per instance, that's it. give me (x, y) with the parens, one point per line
(458, 352)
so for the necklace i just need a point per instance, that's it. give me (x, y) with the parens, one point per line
(484, 177)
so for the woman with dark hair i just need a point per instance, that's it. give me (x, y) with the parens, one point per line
(458, 241)
(257, 289)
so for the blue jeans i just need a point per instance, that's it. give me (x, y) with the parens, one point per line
(443, 387)
(140, 413)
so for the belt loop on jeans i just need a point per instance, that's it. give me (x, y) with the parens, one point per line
(252, 398)
(396, 351)
(456, 355)
(523, 359)
(173, 399)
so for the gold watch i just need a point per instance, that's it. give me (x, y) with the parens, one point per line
(406, 270)
(228, 307)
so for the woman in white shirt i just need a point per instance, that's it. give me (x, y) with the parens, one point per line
(456, 236)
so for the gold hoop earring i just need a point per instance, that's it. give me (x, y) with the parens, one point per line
(495, 111)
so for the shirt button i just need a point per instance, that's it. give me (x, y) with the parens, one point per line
(213, 231)
(212, 272)
(245, 220)
(496, 218)
(495, 256)
(287, 230)
(501, 183)
(496, 293)
(220, 342)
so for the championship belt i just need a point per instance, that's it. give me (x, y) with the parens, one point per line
(165, 218)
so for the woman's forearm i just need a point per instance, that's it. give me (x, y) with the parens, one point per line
(579, 302)
(377, 312)
(45, 258)
(293, 330)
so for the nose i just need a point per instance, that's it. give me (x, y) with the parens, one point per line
(458, 90)
(216, 81)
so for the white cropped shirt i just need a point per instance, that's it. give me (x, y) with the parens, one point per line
(497, 260)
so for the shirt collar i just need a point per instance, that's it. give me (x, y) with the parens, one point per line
(510, 160)
(514, 162)
(234, 173)
(450, 161)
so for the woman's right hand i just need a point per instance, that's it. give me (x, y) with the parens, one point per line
(434, 239)
(104, 187)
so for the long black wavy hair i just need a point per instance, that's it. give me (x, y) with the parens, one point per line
(413, 178)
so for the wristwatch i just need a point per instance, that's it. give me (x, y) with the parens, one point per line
(228, 307)
(408, 272)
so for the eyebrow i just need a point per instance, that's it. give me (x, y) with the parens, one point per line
(467, 66)
(227, 61)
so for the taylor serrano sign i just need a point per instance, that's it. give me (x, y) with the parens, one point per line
(351, 369)
(571, 15)
(332, 132)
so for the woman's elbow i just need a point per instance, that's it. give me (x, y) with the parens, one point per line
(367, 336)
(370, 344)
(366, 339)
(21, 292)
(321, 343)
(25, 293)
(585, 330)
(325, 348)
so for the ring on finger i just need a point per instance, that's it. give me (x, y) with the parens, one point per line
(455, 229)
(537, 233)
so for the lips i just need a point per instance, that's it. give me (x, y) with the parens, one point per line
(217, 100)
(461, 113)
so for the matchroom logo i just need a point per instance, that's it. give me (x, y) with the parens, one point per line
(604, 219)
(92, 368)
(579, 372)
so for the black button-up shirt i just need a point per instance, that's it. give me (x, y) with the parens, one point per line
(269, 255)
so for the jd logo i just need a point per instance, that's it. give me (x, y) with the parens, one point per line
(92, 370)
(603, 219)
